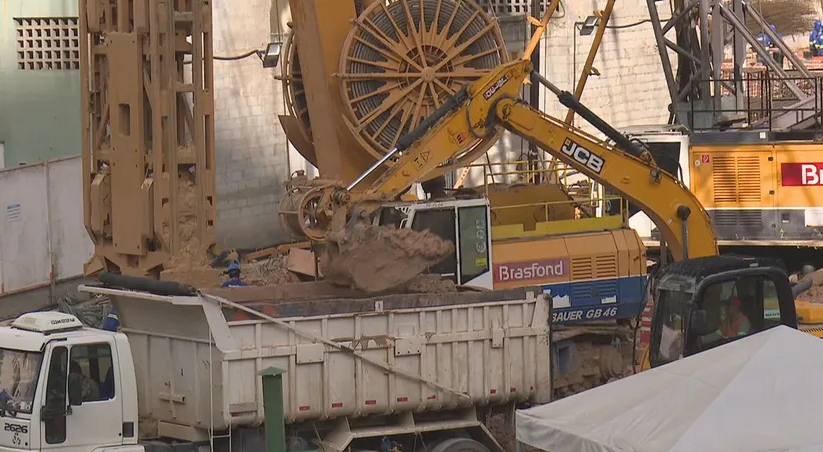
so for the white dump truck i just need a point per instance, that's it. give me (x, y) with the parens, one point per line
(390, 373)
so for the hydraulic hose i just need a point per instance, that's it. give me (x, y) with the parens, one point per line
(153, 286)
(567, 99)
(802, 286)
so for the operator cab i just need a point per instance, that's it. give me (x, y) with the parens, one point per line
(693, 297)
(464, 222)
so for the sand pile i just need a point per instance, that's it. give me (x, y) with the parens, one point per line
(377, 258)
(268, 272)
(429, 284)
(815, 293)
(365, 257)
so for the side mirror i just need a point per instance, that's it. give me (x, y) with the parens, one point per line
(75, 390)
(699, 324)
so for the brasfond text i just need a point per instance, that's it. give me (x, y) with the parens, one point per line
(524, 271)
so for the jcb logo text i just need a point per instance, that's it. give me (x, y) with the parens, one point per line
(583, 156)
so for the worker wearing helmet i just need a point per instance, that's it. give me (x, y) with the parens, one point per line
(777, 54)
(813, 37)
(766, 42)
(736, 324)
(234, 276)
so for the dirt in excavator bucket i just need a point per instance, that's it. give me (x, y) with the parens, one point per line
(377, 258)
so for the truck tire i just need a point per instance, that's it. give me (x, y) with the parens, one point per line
(459, 445)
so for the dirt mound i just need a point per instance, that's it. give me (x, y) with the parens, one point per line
(376, 258)
(430, 284)
(815, 293)
(268, 272)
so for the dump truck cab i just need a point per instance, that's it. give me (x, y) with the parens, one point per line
(65, 386)
(692, 297)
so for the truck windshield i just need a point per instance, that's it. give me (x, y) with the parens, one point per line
(667, 344)
(19, 371)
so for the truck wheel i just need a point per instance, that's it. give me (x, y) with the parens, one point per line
(460, 445)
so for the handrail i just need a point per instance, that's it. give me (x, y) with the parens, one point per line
(547, 204)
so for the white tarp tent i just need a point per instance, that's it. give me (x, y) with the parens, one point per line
(760, 393)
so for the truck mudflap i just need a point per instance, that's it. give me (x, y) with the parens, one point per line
(416, 354)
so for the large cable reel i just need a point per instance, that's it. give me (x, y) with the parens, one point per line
(404, 58)
(401, 60)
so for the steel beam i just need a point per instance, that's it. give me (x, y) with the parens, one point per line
(701, 46)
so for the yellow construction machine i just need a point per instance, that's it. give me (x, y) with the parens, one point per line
(688, 295)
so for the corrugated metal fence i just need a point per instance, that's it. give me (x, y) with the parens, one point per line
(42, 238)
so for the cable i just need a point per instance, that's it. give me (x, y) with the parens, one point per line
(234, 57)
(641, 22)
(237, 57)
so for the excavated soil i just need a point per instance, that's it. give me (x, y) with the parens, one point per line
(191, 264)
(268, 272)
(502, 430)
(429, 284)
(366, 258)
(815, 293)
(376, 258)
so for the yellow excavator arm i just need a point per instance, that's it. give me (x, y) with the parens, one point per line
(494, 101)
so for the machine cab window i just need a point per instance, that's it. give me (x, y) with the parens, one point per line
(722, 310)
(464, 223)
(736, 308)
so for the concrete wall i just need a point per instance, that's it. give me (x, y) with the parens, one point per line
(252, 151)
(40, 116)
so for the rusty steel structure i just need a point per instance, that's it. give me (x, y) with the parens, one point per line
(148, 131)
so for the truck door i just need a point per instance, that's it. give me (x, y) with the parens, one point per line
(98, 420)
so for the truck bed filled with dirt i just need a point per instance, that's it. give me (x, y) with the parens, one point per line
(347, 355)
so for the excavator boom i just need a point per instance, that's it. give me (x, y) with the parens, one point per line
(472, 114)
(683, 223)
(493, 101)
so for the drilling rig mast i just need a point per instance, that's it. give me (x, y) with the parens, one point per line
(148, 132)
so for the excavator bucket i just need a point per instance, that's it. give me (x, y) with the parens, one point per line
(377, 258)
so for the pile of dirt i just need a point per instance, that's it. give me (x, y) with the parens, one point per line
(429, 284)
(268, 272)
(502, 429)
(376, 258)
(815, 293)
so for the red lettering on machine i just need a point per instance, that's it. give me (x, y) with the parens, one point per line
(530, 270)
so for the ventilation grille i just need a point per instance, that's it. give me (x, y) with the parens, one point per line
(606, 266)
(510, 7)
(47, 43)
(738, 219)
(736, 179)
(582, 268)
(594, 290)
(601, 266)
